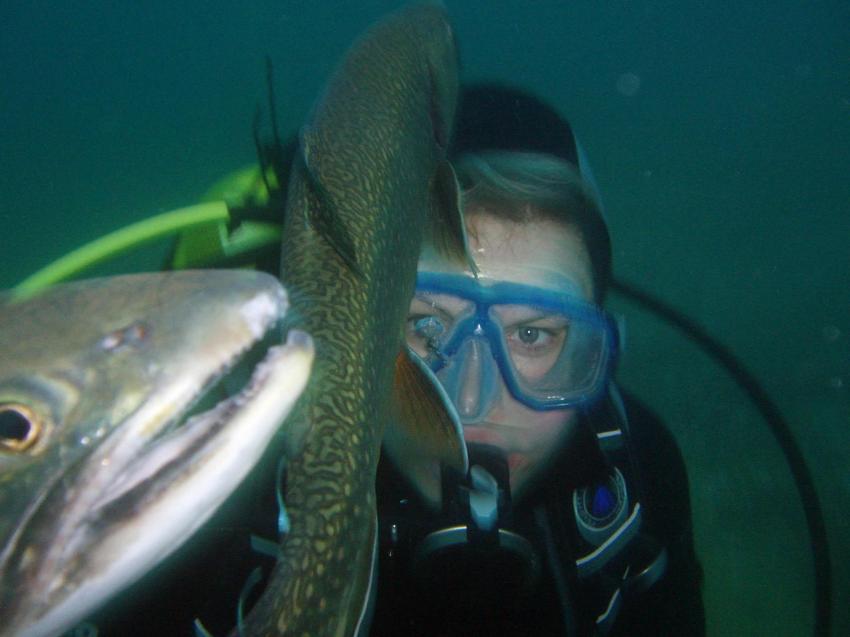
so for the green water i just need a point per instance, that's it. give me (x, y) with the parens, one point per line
(719, 136)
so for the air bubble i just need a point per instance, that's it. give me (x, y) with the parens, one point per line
(628, 84)
(831, 333)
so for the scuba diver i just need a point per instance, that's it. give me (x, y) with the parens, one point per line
(574, 518)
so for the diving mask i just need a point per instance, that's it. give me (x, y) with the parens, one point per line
(550, 349)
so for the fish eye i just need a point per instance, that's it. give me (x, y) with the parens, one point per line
(20, 427)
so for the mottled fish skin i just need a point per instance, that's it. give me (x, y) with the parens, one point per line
(370, 153)
(103, 485)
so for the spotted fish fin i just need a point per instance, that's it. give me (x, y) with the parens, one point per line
(323, 215)
(448, 231)
(424, 413)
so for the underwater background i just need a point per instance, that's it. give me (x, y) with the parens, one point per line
(719, 135)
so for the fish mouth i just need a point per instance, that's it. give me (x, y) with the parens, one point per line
(224, 389)
(168, 431)
(219, 399)
(148, 485)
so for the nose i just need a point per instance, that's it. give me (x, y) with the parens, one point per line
(469, 383)
(472, 380)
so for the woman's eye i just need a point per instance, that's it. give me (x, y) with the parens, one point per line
(427, 327)
(532, 340)
(532, 337)
(424, 332)
(528, 335)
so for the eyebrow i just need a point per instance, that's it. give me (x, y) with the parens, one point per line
(534, 314)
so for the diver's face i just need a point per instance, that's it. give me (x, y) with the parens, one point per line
(541, 253)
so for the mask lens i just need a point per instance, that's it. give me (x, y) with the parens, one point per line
(432, 322)
(552, 356)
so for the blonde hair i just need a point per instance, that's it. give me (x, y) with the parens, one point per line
(523, 187)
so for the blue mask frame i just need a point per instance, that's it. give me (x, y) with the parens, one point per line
(479, 323)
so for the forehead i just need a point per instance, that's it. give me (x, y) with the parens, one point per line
(541, 252)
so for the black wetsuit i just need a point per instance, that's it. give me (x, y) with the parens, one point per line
(473, 599)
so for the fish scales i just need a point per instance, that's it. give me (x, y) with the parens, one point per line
(369, 153)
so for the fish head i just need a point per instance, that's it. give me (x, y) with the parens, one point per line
(100, 475)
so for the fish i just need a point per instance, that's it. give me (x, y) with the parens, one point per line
(369, 184)
(116, 442)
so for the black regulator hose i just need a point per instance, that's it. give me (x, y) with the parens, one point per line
(778, 427)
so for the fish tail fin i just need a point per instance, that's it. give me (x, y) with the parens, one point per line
(424, 413)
